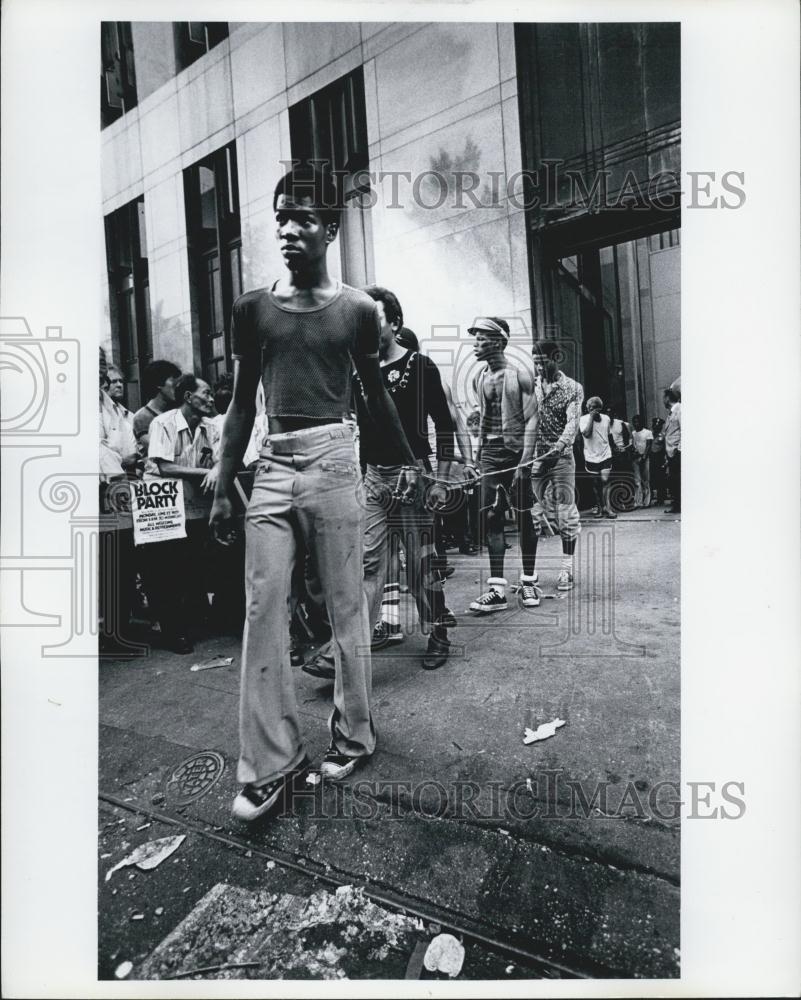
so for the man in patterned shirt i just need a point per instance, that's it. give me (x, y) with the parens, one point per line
(559, 400)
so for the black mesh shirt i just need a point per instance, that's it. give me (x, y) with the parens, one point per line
(414, 383)
(305, 355)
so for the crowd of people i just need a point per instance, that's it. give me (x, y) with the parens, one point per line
(330, 406)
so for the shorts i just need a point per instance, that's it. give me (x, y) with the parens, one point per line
(596, 468)
(495, 457)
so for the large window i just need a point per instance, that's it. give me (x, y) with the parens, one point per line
(194, 39)
(215, 255)
(330, 127)
(117, 72)
(129, 293)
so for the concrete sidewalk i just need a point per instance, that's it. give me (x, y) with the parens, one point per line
(570, 845)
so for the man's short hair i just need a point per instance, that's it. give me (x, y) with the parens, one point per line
(672, 395)
(156, 374)
(186, 383)
(306, 180)
(595, 401)
(392, 307)
(551, 349)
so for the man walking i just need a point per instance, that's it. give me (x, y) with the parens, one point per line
(594, 427)
(672, 434)
(559, 400)
(413, 381)
(508, 415)
(300, 336)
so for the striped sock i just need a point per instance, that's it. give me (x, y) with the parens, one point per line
(390, 604)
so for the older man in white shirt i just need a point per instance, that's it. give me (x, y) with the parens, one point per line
(672, 435)
(183, 444)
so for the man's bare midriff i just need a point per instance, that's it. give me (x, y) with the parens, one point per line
(285, 425)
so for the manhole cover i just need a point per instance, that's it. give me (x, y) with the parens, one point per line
(194, 777)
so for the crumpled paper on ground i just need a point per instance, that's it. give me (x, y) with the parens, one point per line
(444, 954)
(149, 855)
(543, 732)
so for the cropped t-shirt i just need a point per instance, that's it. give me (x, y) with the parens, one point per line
(305, 354)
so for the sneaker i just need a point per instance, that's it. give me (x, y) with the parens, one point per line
(610, 514)
(564, 580)
(436, 653)
(336, 765)
(597, 512)
(489, 602)
(529, 593)
(255, 801)
(384, 634)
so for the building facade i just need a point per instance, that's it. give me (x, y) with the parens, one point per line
(525, 171)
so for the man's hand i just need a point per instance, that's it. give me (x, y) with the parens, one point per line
(470, 472)
(209, 481)
(221, 521)
(410, 478)
(437, 496)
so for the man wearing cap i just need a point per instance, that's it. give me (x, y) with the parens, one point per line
(508, 419)
(559, 400)
(301, 336)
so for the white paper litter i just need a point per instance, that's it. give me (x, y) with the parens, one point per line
(149, 855)
(444, 954)
(123, 969)
(313, 778)
(215, 661)
(543, 732)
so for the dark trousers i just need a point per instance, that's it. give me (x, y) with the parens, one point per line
(674, 478)
(175, 579)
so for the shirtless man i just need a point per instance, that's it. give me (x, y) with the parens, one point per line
(300, 337)
(508, 420)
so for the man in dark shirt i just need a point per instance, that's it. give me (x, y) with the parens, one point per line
(158, 383)
(414, 383)
(300, 337)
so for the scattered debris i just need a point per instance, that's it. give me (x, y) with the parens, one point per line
(123, 970)
(415, 966)
(270, 865)
(104, 856)
(457, 745)
(444, 954)
(159, 910)
(543, 732)
(158, 799)
(216, 968)
(529, 786)
(149, 855)
(144, 826)
(215, 661)
(509, 970)
(137, 916)
(313, 778)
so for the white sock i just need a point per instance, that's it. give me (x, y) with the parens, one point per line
(528, 579)
(498, 584)
(390, 604)
(567, 563)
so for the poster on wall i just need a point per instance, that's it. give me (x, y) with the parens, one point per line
(157, 507)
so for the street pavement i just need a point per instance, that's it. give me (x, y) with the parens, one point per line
(566, 850)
